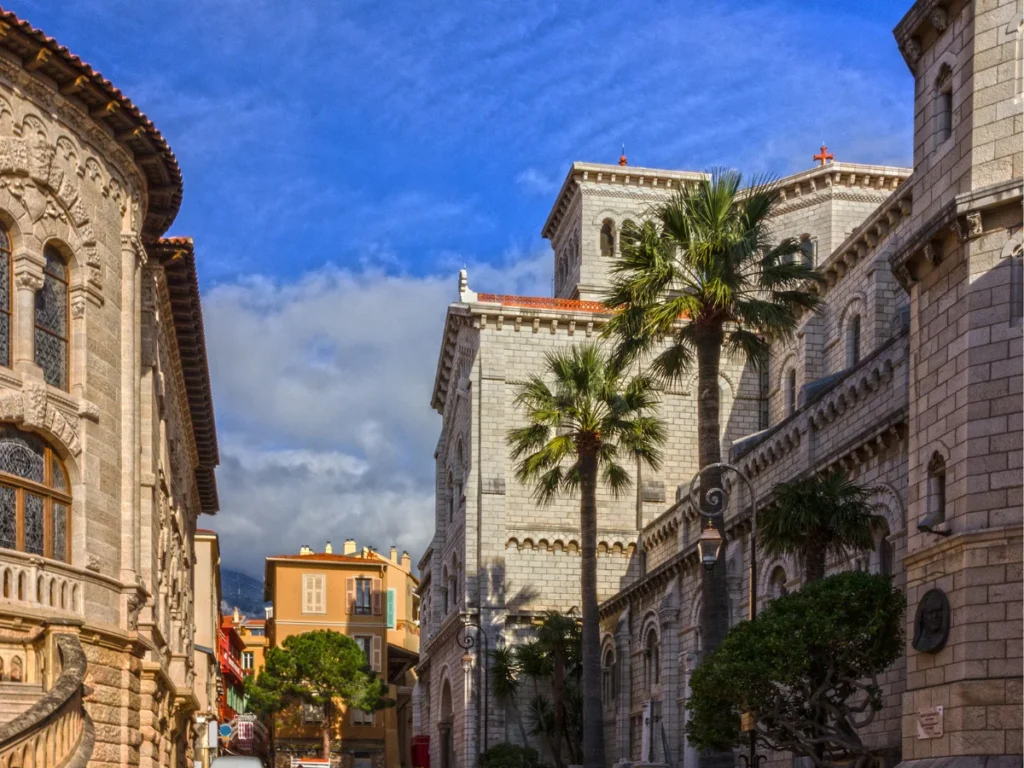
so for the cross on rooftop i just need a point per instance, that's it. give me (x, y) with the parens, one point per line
(824, 156)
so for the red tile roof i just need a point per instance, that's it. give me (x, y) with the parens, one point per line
(541, 302)
(107, 105)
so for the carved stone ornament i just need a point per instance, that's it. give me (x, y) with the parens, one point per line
(968, 227)
(93, 564)
(932, 253)
(931, 622)
(939, 17)
(912, 50)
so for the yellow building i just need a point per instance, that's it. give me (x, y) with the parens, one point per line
(253, 632)
(372, 599)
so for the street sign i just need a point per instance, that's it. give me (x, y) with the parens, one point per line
(225, 731)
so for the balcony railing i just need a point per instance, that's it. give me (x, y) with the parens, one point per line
(35, 581)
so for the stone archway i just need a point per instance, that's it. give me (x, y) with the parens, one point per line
(444, 727)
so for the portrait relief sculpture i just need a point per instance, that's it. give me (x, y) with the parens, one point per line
(931, 623)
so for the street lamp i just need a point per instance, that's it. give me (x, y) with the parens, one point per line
(708, 544)
(716, 499)
(467, 642)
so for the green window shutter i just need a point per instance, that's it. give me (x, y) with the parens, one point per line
(391, 609)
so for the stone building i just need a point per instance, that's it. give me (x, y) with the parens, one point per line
(909, 379)
(107, 438)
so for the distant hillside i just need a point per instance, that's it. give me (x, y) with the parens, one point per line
(243, 591)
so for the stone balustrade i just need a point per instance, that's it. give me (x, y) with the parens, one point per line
(55, 731)
(38, 582)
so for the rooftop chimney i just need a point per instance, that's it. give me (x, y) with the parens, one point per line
(328, 549)
(406, 561)
(349, 547)
(234, 615)
(394, 554)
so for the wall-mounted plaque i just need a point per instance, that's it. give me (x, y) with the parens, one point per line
(929, 723)
(931, 623)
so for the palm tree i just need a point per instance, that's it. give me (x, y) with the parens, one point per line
(705, 273)
(816, 517)
(576, 431)
(505, 671)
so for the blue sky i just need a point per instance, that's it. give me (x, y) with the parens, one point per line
(343, 159)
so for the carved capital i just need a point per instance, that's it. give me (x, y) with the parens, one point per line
(29, 280)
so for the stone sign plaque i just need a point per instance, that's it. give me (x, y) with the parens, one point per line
(929, 723)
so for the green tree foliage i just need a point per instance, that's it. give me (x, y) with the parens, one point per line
(817, 517)
(577, 432)
(551, 663)
(323, 669)
(507, 755)
(808, 669)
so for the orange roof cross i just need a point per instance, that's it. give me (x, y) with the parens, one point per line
(824, 156)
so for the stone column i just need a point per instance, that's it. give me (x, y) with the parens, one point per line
(469, 713)
(670, 686)
(130, 257)
(28, 278)
(688, 663)
(624, 699)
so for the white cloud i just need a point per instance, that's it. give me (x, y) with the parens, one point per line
(534, 182)
(322, 390)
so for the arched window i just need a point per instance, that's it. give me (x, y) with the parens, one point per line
(52, 320)
(652, 658)
(609, 688)
(5, 298)
(451, 498)
(853, 341)
(35, 501)
(936, 494)
(777, 583)
(943, 104)
(884, 554)
(444, 590)
(790, 391)
(1017, 283)
(607, 238)
(453, 583)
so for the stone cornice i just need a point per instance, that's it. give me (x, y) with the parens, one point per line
(177, 257)
(613, 175)
(963, 215)
(57, 78)
(919, 27)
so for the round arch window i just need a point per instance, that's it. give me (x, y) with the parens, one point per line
(35, 498)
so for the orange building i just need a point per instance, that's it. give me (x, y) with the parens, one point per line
(253, 633)
(372, 599)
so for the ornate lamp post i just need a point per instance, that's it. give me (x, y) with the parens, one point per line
(709, 543)
(468, 642)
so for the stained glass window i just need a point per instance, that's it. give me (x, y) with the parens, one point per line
(35, 508)
(21, 455)
(52, 321)
(33, 524)
(60, 531)
(8, 517)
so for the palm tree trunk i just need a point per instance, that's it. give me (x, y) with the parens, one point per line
(593, 737)
(714, 619)
(814, 565)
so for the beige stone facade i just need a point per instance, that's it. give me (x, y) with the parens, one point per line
(108, 442)
(909, 378)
